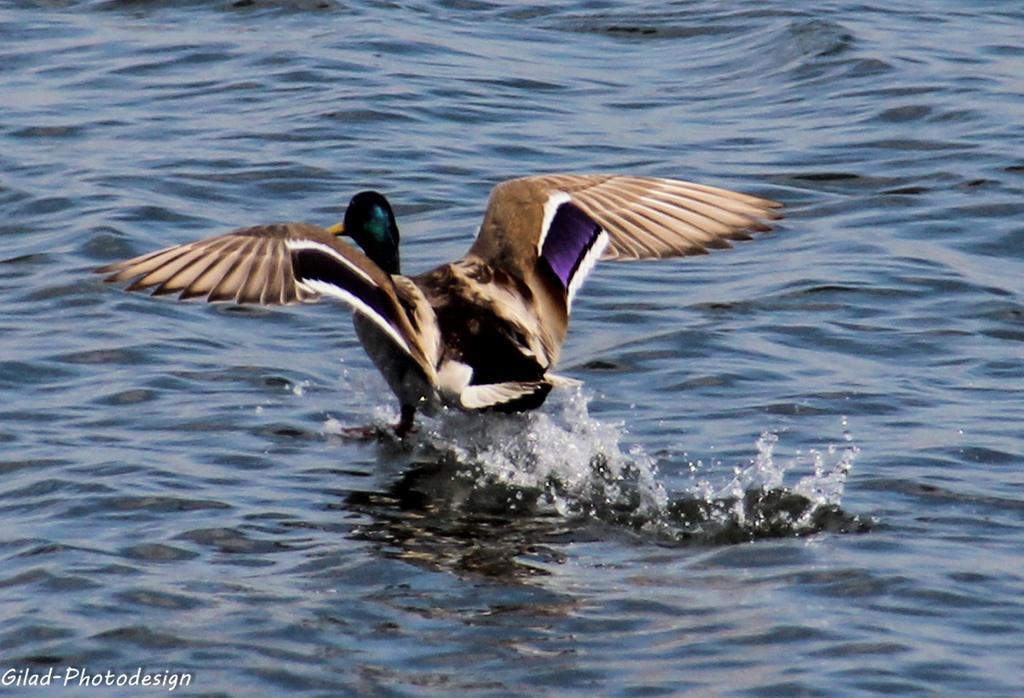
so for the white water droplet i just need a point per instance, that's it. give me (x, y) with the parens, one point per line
(577, 460)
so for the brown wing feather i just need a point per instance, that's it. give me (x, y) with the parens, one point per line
(683, 218)
(645, 217)
(256, 265)
(250, 265)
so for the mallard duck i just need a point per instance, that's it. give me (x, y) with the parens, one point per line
(482, 332)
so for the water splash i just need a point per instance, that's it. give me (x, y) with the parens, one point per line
(563, 463)
(824, 487)
(756, 502)
(574, 460)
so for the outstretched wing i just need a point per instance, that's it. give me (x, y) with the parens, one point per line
(249, 265)
(652, 218)
(276, 265)
(571, 221)
(548, 231)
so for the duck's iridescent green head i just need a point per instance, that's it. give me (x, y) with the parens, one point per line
(370, 221)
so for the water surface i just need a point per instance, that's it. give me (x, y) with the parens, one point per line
(794, 468)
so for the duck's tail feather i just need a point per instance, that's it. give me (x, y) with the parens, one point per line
(515, 396)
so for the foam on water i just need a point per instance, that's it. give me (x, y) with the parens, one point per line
(576, 460)
(562, 461)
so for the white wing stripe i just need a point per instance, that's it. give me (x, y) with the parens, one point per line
(586, 265)
(327, 249)
(327, 289)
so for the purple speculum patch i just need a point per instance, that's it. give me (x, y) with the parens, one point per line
(570, 236)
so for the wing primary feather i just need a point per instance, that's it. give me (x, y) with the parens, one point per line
(726, 219)
(148, 272)
(623, 227)
(679, 211)
(722, 217)
(757, 203)
(633, 226)
(213, 273)
(143, 264)
(165, 276)
(728, 200)
(622, 246)
(675, 226)
(198, 258)
(273, 290)
(251, 290)
(234, 276)
(184, 270)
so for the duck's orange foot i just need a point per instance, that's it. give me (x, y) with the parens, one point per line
(373, 432)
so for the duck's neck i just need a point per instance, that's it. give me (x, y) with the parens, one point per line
(388, 260)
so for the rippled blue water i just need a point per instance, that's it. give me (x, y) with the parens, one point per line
(795, 468)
